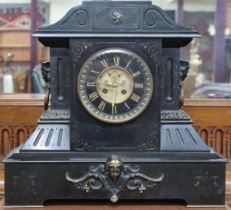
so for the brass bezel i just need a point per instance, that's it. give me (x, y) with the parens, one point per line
(113, 119)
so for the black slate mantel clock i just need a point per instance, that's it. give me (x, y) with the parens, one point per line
(115, 129)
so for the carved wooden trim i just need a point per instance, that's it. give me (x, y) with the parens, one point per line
(217, 137)
(12, 136)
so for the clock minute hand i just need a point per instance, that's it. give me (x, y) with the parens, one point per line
(113, 100)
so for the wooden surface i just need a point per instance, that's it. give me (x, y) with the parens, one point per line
(1, 181)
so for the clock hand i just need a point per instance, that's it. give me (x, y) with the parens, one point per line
(114, 85)
(113, 100)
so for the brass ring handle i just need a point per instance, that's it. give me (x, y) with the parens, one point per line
(46, 76)
(46, 99)
(181, 104)
(184, 67)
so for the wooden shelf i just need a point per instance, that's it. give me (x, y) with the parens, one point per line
(15, 46)
(205, 102)
(18, 42)
(23, 100)
(15, 29)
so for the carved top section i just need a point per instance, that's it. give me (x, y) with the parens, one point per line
(116, 19)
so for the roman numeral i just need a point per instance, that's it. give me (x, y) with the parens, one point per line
(114, 109)
(93, 96)
(104, 63)
(139, 85)
(95, 72)
(128, 107)
(135, 97)
(90, 84)
(128, 64)
(102, 106)
(116, 61)
(136, 74)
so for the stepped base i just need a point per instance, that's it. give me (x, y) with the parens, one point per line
(196, 178)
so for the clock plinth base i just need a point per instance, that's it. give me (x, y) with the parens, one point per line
(196, 178)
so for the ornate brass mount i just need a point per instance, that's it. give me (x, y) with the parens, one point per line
(46, 76)
(114, 176)
(117, 17)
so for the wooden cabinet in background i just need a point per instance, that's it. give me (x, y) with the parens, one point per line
(17, 42)
(212, 120)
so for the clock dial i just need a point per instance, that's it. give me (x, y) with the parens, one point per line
(115, 85)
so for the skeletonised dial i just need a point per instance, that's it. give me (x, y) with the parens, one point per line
(115, 85)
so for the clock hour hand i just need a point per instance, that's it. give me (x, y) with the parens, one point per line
(112, 84)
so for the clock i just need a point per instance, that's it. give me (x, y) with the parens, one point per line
(115, 85)
(114, 129)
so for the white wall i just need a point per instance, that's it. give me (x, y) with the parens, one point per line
(14, 1)
(200, 5)
(58, 8)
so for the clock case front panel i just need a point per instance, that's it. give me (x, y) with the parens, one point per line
(139, 134)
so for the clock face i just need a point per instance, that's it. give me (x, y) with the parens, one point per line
(115, 85)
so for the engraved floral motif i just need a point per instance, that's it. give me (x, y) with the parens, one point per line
(78, 50)
(153, 50)
(149, 144)
(80, 144)
(206, 183)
